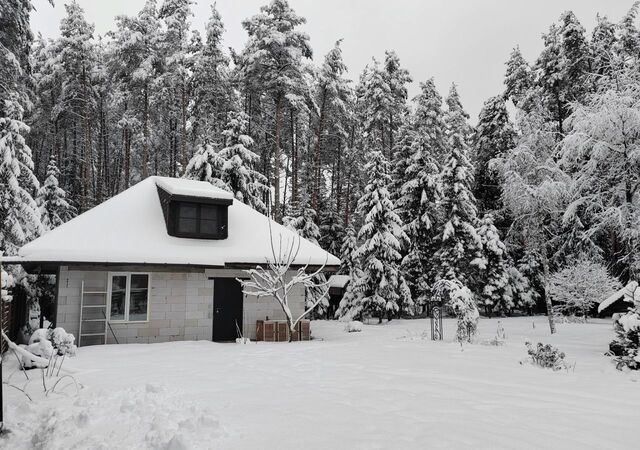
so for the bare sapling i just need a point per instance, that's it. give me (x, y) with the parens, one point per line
(276, 281)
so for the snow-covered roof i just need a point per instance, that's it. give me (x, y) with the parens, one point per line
(626, 293)
(192, 188)
(338, 281)
(130, 229)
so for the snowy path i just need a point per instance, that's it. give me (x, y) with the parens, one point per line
(383, 388)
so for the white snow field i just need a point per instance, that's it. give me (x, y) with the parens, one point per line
(387, 387)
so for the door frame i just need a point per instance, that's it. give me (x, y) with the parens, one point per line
(213, 315)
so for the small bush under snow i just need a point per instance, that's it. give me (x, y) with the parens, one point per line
(353, 326)
(546, 356)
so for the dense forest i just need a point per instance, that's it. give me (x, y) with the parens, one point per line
(405, 191)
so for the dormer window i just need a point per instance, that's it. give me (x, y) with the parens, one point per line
(196, 214)
(199, 220)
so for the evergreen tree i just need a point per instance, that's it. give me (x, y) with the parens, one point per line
(19, 216)
(331, 230)
(494, 137)
(460, 246)
(211, 84)
(302, 220)
(238, 170)
(331, 104)
(576, 57)
(134, 64)
(52, 199)
(628, 46)
(273, 59)
(417, 206)
(604, 61)
(347, 251)
(518, 79)
(429, 122)
(76, 53)
(493, 280)
(174, 82)
(380, 290)
(206, 165)
(397, 79)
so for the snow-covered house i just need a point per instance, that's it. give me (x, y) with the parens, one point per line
(621, 300)
(159, 262)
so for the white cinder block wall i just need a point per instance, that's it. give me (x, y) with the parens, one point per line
(180, 305)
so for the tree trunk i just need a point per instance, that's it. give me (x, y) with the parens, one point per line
(276, 159)
(294, 160)
(316, 155)
(145, 144)
(183, 141)
(547, 298)
(338, 192)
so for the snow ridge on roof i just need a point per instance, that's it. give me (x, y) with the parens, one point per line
(192, 188)
(627, 294)
(129, 228)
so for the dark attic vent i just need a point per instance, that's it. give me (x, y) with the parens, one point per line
(195, 217)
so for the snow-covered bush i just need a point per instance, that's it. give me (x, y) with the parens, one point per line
(49, 344)
(627, 339)
(460, 300)
(579, 286)
(546, 356)
(353, 326)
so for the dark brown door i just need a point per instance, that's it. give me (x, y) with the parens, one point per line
(227, 309)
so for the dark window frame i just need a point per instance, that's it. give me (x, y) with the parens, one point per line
(222, 219)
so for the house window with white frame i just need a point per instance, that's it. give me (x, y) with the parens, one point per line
(129, 297)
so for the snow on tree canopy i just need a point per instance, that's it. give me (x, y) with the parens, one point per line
(130, 228)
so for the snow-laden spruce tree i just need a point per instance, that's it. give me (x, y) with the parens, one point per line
(52, 201)
(460, 248)
(380, 290)
(579, 286)
(349, 265)
(418, 202)
(429, 122)
(627, 329)
(331, 229)
(494, 136)
(518, 79)
(206, 165)
(302, 220)
(238, 171)
(493, 279)
(347, 251)
(19, 215)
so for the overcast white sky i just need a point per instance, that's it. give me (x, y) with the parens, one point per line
(462, 41)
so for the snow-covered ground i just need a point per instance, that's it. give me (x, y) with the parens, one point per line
(387, 387)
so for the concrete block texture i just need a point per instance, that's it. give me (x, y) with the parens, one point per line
(180, 304)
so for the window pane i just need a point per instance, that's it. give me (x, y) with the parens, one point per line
(208, 212)
(209, 227)
(139, 281)
(138, 304)
(188, 210)
(118, 294)
(119, 283)
(187, 225)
